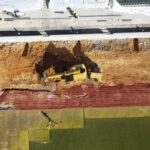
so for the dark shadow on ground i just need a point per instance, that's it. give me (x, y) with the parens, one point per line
(136, 44)
(61, 59)
(128, 30)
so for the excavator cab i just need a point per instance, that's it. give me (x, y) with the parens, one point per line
(77, 72)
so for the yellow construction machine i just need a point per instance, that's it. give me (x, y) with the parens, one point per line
(75, 73)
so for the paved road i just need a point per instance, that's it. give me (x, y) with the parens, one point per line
(63, 20)
(48, 25)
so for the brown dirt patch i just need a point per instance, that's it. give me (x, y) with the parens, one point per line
(119, 61)
(123, 67)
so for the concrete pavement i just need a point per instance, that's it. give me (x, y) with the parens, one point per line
(61, 20)
(43, 25)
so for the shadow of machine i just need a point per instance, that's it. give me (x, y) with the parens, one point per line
(60, 63)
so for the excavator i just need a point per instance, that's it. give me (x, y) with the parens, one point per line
(75, 73)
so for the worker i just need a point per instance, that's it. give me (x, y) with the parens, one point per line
(51, 123)
(110, 4)
(46, 2)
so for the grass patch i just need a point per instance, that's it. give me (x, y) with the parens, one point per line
(67, 118)
(39, 135)
(71, 118)
(101, 134)
(117, 112)
(23, 140)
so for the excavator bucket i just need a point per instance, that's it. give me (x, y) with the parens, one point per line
(96, 74)
(49, 74)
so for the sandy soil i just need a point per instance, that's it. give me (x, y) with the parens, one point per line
(21, 64)
(123, 67)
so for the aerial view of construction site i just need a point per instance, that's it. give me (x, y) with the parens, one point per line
(74, 74)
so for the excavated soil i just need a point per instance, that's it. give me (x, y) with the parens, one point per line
(125, 68)
(85, 95)
(122, 61)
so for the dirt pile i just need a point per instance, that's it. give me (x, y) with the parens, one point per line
(122, 61)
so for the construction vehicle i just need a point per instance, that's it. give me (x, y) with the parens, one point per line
(75, 73)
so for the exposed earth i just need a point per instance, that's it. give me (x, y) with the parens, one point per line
(80, 108)
(121, 61)
(79, 96)
(124, 62)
